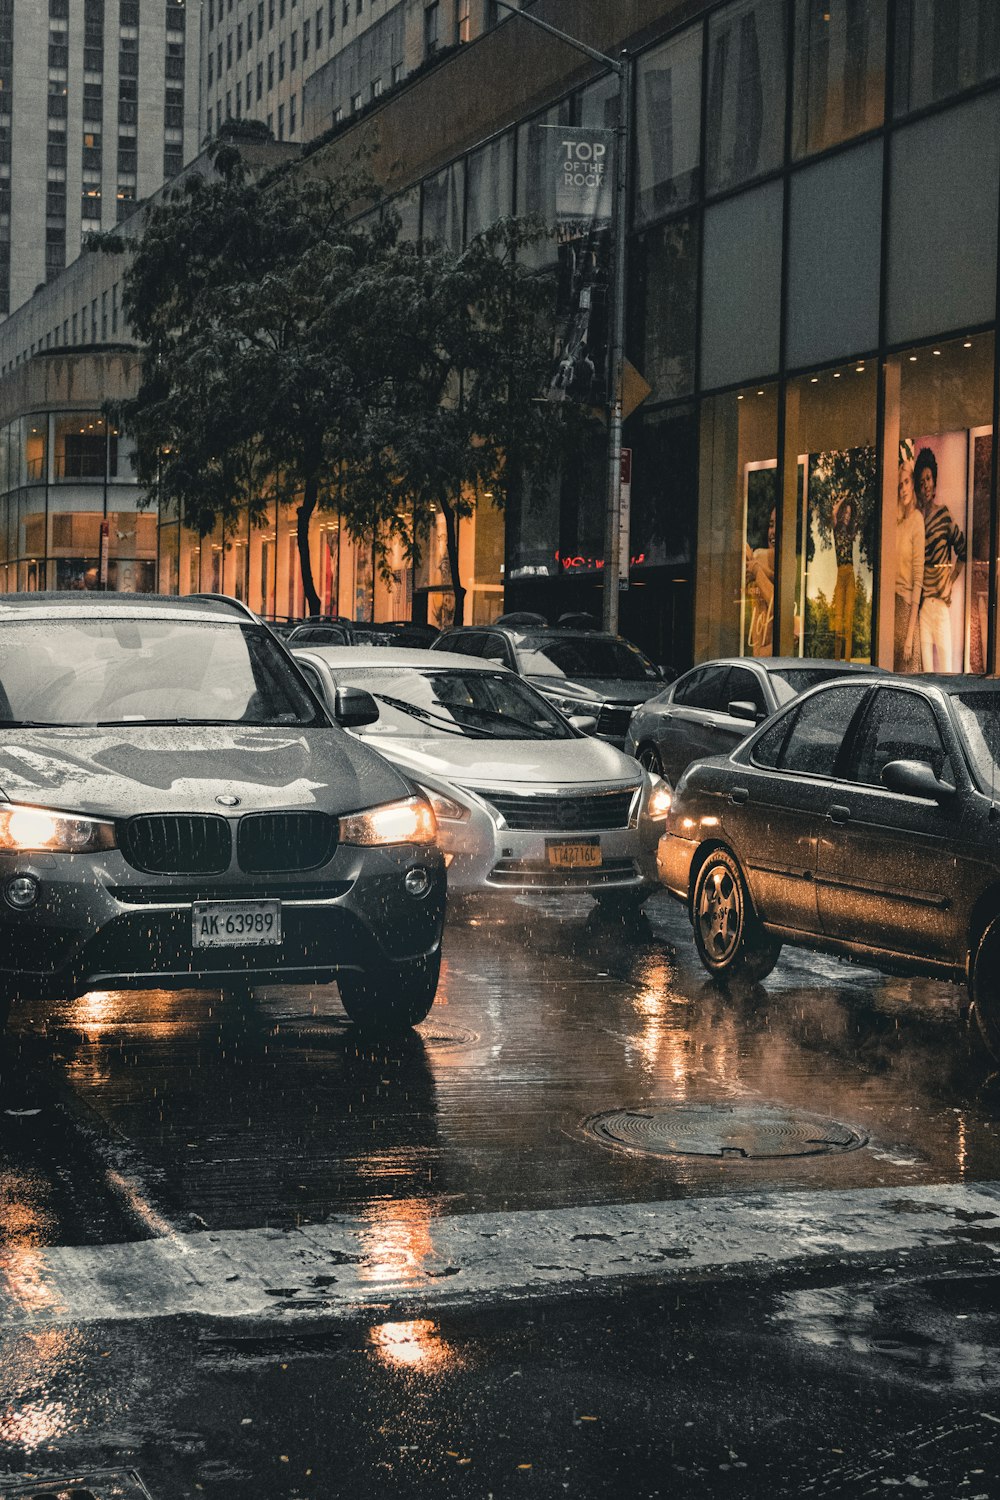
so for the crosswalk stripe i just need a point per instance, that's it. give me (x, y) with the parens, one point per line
(407, 1256)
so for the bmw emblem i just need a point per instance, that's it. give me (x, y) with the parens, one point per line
(228, 800)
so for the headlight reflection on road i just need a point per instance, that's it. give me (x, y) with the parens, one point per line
(413, 1345)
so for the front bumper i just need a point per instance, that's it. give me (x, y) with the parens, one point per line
(99, 924)
(485, 859)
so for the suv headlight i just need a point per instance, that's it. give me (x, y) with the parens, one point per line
(446, 809)
(571, 706)
(659, 799)
(27, 829)
(410, 821)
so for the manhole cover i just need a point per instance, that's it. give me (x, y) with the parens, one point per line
(736, 1132)
(119, 1484)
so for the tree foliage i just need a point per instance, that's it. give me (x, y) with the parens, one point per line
(292, 352)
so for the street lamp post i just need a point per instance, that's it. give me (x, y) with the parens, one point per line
(622, 66)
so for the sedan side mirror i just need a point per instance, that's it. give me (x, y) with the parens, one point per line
(915, 778)
(353, 708)
(745, 710)
(586, 723)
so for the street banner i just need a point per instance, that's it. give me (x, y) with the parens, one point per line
(580, 163)
(105, 549)
(624, 518)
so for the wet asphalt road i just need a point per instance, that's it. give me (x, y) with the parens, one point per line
(130, 1118)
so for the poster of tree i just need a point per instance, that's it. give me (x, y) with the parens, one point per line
(839, 508)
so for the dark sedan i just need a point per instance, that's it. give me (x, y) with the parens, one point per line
(713, 707)
(861, 820)
(178, 809)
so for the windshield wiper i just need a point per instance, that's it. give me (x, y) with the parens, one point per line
(37, 724)
(508, 722)
(448, 725)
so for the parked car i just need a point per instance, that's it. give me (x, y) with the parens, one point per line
(524, 800)
(178, 809)
(861, 820)
(398, 633)
(583, 672)
(713, 707)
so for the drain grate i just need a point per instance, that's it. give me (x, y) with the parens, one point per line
(117, 1484)
(729, 1132)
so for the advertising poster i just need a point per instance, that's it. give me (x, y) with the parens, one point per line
(978, 589)
(839, 535)
(941, 488)
(757, 583)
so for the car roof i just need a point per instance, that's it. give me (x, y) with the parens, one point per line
(550, 632)
(792, 664)
(98, 604)
(385, 656)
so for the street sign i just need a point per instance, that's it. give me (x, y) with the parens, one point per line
(624, 518)
(635, 389)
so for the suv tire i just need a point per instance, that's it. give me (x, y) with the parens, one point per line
(984, 986)
(392, 997)
(731, 940)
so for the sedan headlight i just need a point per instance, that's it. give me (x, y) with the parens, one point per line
(410, 821)
(660, 799)
(446, 809)
(27, 829)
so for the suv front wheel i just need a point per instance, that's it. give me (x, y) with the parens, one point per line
(731, 940)
(390, 997)
(984, 986)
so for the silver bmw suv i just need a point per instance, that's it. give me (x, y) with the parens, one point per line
(178, 809)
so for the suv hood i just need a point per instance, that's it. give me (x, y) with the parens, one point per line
(596, 690)
(115, 773)
(484, 762)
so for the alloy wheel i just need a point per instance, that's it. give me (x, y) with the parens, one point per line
(720, 914)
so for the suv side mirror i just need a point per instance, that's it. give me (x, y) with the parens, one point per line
(353, 708)
(915, 778)
(745, 710)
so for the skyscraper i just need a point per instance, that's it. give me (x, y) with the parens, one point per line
(98, 105)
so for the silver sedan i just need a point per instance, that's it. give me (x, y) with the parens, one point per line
(525, 799)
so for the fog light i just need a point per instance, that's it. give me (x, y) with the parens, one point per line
(21, 891)
(417, 881)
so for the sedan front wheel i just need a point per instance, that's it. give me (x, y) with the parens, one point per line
(984, 986)
(731, 940)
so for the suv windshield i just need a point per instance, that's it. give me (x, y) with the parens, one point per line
(585, 656)
(478, 705)
(979, 716)
(83, 670)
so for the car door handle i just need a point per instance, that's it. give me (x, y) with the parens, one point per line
(739, 795)
(839, 814)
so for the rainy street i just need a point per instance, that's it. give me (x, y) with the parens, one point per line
(595, 1224)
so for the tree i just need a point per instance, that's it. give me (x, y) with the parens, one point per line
(464, 348)
(238, 290)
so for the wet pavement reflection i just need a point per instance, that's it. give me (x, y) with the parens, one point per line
(206, 1111)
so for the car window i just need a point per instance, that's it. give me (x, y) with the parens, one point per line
(791, 681)
(745, 686)
(495, 649)
(978, 713)
(766, 751)
(468, 643)
(819, 729)
(586, 655)
(311, 676)
(140, 670)
(897, 725)
(685, 686)
(469, 702)
(709, 692)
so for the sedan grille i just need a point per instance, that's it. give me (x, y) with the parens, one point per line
(552, 811)
(176, 843)
(271, 842)
(613, 719)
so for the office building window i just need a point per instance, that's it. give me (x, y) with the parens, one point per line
(306, 25)
(281, 122)
(746, 92)
(839, 71)
(260, 82)
(668, 125)
(270, 70)
(319, 28)
(291, 116)
(239, 40)
(432, 26)
(293, 51)
(281, 61)
(464, 20)
(942, 47)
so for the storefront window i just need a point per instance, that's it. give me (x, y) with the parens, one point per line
(834, 251)
(664, 478)
(168, 559)
(942, 47)
(80, 445)
(738, 496)
(406, 208)
(6, 454)
(663, 305)
(939, 404)
(490, 185)
(746, 92)
(443, 207)
(839, 71)
(34, 448)
(942, 229)
(121, 457)
(830, 515)
(668, 125)
(741, 295)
